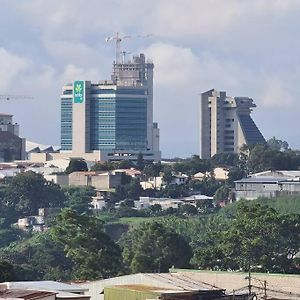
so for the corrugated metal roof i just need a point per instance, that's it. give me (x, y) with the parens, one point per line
(182, 281)
(24, 294)
(262, 179)
(44, 285)
(281, 286)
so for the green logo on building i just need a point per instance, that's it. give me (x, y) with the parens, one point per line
(78, 91)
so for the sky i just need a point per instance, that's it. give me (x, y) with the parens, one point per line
(245, 47)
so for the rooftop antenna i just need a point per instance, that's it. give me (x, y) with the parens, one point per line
(118, 38)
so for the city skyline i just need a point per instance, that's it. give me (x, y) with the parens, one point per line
(246, 48)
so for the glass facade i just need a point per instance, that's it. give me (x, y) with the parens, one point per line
(66, 123)
(131, 123)
(102, 123)
(118, 119)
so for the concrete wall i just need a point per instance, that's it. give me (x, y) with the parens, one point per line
(60, 179)
(78, 179)
(99, 181)
(106, 181)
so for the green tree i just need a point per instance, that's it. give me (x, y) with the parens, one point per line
(103, 166)
(205, 206)
(192, 165)
(7, 272)
(149, 170)
(155, 209)
(93, 253)
(37, 258)
(225, 159)
(235, 173)
(276, 144)
(76, 165)
(221, 194)
(253, 236)
(29, 191)
(151, 247)
(134, 189)
(79, 198)
(168, 176)
(127, 203)
(140, 162)
(188, 209)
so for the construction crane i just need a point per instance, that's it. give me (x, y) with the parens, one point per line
(124, 56)
(119, 38)
(12, 97)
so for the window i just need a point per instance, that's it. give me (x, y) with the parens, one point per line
(228, 131)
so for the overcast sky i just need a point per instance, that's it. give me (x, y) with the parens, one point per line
(248, 48)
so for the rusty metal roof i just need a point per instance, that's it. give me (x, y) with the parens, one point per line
(24, 294)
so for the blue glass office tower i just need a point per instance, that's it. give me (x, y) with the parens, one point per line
(114, 117)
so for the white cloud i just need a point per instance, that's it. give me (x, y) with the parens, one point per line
(73, 72)
(247, 48)
(11, 66)
(177, 66)
(276, 93)
(173, 65)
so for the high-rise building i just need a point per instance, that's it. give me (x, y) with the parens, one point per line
(111, 119)
(12, 147)
(226, 124)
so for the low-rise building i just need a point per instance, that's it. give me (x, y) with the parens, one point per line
(153, 286)
(61, 179)
(268, 184)
(99, 180)
(165, 203)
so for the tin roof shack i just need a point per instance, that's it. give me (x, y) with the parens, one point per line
(143, 292)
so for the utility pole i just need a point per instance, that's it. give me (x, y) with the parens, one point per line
(249, 279)
(265, 290)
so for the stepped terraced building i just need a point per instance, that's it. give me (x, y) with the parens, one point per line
(226, 124)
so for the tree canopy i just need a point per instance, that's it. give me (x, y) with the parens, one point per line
(76, 165)
(29, 191)
(255, 236)
(91, 250)
(154, 248)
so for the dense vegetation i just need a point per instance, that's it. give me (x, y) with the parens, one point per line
(263, 234)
